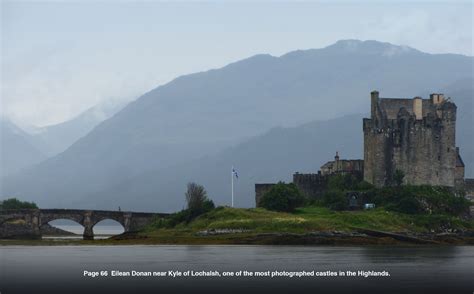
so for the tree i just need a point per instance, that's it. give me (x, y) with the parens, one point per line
(14, 203)
(197, 200)
(195, 196)
(335, 200)
(343, 182)
(398, 177)
(282, 197)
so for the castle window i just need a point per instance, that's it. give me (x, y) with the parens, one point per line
(448, 149)
(439, 157)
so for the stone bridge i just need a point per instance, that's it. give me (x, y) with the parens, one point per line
(33, 219)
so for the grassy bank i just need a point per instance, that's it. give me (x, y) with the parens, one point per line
(260, 226)
(314, 218)
(243, 224)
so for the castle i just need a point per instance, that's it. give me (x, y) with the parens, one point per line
(414, 137)
(313, 186)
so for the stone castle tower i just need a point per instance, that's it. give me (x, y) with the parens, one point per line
(416, 136)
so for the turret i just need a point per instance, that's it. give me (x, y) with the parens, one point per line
(436, 98)
(374, 100)
(418, 108)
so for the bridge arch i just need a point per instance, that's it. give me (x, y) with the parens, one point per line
(109, 227)
(47, 218)
(35, 218)
(117, 218)
(67, 225)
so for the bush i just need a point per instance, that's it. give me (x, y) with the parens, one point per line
(364, 186)
(198, 203)
(343, 182)
(282, 197)
(398, 177)
(420, 199)
(335, 200)
(14, 203)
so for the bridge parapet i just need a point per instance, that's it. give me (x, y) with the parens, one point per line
(35, 218)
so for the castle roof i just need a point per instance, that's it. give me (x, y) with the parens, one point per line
(459, 162)
(342, 165)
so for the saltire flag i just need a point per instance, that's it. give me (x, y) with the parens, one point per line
(235, 173)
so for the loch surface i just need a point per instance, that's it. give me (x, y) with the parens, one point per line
(60, 269)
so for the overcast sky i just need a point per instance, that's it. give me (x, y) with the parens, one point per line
(60, 58)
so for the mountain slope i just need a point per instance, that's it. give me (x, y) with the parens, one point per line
(17, 149)
(270, 157)
(199, 114)
(56, 138)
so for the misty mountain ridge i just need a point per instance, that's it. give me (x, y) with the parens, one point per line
(17, 149)
(201, 114)
(24, 148)
(54, 139)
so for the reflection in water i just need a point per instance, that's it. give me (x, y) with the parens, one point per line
(376, 254)
(439, 269)
(100, 231)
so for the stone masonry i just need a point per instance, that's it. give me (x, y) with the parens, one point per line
(415, 136)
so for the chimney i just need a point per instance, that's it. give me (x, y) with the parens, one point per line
(374, 100)
(418, 108)
(436, 98)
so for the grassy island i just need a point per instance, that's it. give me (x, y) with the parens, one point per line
(413, 214)
(403, 215)
(225, 225)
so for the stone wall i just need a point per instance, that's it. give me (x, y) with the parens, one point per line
(424, 149)
(312, 186)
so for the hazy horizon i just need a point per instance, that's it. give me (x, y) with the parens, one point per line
(55, 65)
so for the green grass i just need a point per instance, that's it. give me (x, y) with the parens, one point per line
(312, 218)
(259, 220)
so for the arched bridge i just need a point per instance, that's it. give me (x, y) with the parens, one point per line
(33, 219)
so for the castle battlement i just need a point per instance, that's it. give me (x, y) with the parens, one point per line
(416, 136)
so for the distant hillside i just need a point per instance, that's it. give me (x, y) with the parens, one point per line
(56, 138)
(17, 149)
(271, 157)
(200, 114)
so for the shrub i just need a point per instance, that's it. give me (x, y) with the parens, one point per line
(282, 197)
(398, 177)
(364, 186)
(343, 182)
(420, 199)
(14, 203)
(335, 200)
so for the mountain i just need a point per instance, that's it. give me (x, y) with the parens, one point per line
(270, 157)
(17, 149)
(54, 139)
(200, 114)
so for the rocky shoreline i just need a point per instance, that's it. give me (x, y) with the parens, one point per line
(358, 237)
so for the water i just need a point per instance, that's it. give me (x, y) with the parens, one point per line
(59, 269)
(100, 232)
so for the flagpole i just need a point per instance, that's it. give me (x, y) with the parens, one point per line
(232, 176)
